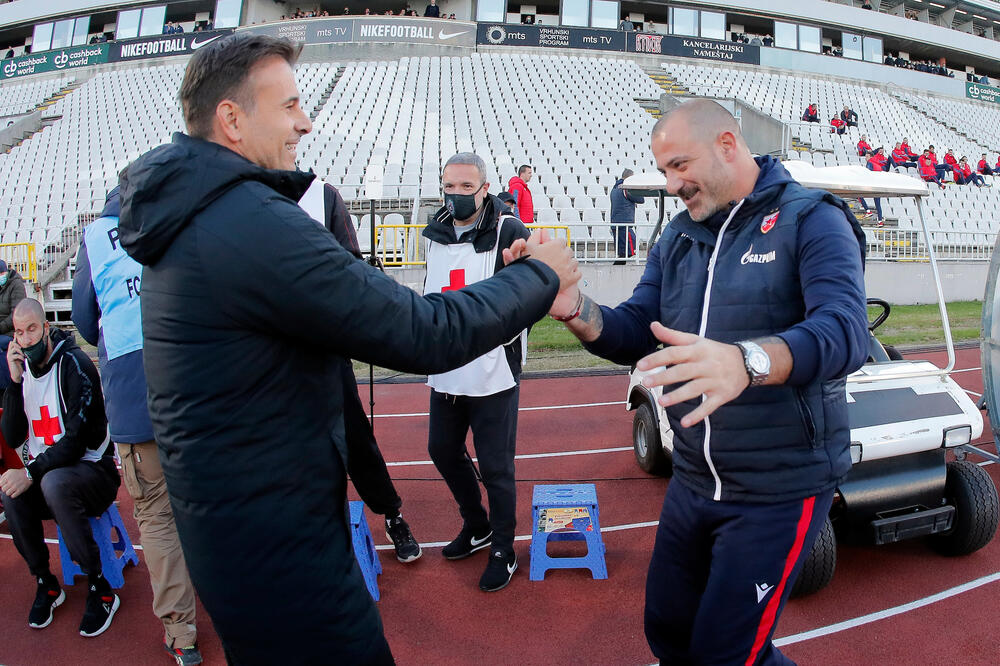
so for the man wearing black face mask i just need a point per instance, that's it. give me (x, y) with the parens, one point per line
(464, 243)
(54, 406)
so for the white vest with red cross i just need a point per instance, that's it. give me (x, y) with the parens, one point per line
(451, 267)
(43, 405)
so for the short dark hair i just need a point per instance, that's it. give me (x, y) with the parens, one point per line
(219, 70)
(521, 169)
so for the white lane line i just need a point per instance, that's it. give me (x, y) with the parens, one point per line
(888, 612)
(527, 537)
(524, 456)
(966, 370)
(56, 541)
(978, 395)
(520, 409)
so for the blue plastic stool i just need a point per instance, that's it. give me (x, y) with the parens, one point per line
(116, 553)
(580, 495)
(364, 548)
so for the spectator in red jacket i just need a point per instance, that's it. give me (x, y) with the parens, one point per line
(984, 166)
(942, 169)
(518, 187)
(899, 158)
(909, 151)
(928, 172)
(838, 126)
(996, 167)
(811, 113)
(964, 174)
(877, 160)
(950, 159)
(863, 147)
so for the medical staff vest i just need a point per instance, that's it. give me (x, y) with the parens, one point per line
(449, 268)
(117, 279)
(43, 405)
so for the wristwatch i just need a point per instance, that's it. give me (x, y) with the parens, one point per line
(756, 360)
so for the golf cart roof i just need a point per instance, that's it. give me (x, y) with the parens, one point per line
(845, 181)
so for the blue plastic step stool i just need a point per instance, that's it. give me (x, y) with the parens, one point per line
(114, 544)
(364, 548)
(582, 495)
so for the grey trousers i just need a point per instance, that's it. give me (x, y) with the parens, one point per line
(70, 495)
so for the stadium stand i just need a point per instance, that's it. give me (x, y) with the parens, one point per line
(24, 97)
(967, 215)
(407, 116)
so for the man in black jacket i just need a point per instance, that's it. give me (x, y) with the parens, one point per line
(249, 310)
(54, 407)
(365, 464)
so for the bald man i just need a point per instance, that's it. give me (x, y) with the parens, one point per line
(756, 292)
(54, 407)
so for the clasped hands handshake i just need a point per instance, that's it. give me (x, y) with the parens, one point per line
(696, 366)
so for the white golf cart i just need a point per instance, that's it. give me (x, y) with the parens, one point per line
(904, 416)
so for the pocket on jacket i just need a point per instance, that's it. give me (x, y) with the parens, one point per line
(805, 413)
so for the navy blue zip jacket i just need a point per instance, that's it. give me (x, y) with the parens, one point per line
(122, 376)
(623, 204)
(249, 312)
(790, 263)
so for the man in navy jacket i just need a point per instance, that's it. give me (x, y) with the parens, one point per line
(757, 293)
(623, 205)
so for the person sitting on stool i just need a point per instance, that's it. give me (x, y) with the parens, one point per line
(55, 408)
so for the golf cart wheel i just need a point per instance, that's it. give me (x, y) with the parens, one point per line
(892, 353)
(970, 490)
(649, 452)
(817, 571)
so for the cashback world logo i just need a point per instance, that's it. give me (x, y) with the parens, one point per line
(60, 60)
(10, 68)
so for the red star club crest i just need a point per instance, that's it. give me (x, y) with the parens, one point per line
(768, 222)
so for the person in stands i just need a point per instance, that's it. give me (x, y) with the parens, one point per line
(863, 146)
(899, 158)
(950, 159)
(811, 114)
(963, 171)
(837, 126)
(906, 148)
(928, 172)
(942, 169)
(877, 161)
(849, 117)
(984, 167)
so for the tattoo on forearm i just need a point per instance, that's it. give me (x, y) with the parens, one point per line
(591, 319)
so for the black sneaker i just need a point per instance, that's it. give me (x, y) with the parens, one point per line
(101, 608)
(189, 656)
(47, 597)
(397, 531)
(466, 543)
(498, 572)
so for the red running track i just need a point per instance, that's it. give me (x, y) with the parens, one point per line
(434, 612)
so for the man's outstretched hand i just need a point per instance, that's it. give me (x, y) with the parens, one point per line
(701, 366)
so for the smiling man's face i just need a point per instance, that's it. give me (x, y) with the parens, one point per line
(272, 124)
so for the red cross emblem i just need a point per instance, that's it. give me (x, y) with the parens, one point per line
(457, 280)
(47, 427)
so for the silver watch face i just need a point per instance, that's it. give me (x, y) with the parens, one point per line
(759, 361)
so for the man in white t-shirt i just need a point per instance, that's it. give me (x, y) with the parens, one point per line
(464, 243)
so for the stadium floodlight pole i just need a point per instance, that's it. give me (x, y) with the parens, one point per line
(373, 260)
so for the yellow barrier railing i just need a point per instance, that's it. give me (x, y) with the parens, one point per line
(399, 244)
(21, 257)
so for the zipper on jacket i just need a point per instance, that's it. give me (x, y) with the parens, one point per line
(808, 423)
(706, 446)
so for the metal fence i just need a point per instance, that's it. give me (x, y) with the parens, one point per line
(400, 244)
(21, 257)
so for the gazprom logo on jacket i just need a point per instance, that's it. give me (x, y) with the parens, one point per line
(750, 258)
